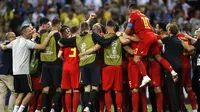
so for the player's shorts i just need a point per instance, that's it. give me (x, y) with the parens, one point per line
(148, 42)
(51, 75)
(133, 76)
(23, 83)
(70, 77)
(112, 78)
(155, 73)
(90, 75)
(186, 71)
(36, 83)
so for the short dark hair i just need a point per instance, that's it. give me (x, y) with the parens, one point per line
(162, 25)
(74, 29)
(133, 6)
(43, 21)
(173, 28)
(56, 21)
(64, 27)
(84, 26)
(110, 23)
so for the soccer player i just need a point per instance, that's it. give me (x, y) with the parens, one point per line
(70, 74)
(90, 72)
(51, 68)
(21, 57)
(186, 81)
(155, 69)
(141, 25)
(6, 77)
(195, 47)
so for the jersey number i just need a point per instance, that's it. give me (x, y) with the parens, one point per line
(146, 22)
(74, 52)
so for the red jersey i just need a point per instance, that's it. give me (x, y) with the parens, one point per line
(182, 37)
(140, 23)
(70, 55)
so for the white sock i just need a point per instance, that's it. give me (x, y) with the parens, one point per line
(37, 110)
(21, 108)
(16, 108)
(194, 110)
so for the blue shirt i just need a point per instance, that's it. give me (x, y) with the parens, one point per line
(5, 62)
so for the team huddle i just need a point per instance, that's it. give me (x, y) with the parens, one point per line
(59, 67)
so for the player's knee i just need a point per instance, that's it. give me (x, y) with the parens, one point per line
(157, 89)
(58, 89)
(87, 88)
(136, 59)
(75, 90)
(135, 90)
(95, 88)
(68, 91)
(45, 90)
(188, 89)
(158, 57)
(117, 92)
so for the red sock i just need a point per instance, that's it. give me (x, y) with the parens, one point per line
(118, 101)
(39, 103)
(63, 103)
(159, 101)
(192, 98)
(68, 101)
(32, 104)
(101, 102)
(76, 98)
(108, 101)
(141, 67)
(166, 64)
(135, 101)
(143, 101)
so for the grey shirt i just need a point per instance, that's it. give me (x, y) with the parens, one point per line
(21, 49)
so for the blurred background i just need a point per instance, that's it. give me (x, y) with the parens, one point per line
(15, 13)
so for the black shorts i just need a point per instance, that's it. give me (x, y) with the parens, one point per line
(23, 83)
(90, 75)
(51, 75)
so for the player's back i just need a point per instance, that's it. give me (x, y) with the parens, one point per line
(141, 23)
(70, 55)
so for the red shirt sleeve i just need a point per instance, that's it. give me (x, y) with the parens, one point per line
(61, 49)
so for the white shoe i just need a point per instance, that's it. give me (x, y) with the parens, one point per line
(145, 81)
(86, 109)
